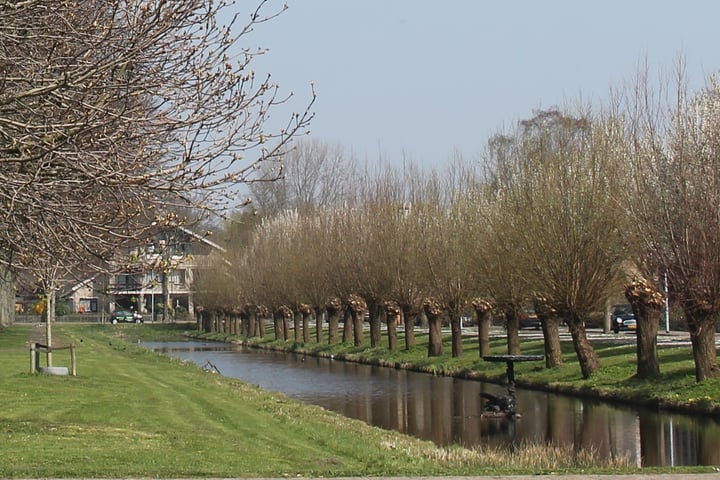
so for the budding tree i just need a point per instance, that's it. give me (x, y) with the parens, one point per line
(114, 111)
(676, 204)
(559, 206)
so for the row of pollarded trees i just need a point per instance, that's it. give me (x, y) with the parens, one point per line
(569, 206)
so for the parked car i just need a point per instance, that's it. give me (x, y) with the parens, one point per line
(125, 316)
(529, 319)
(630, 324)
(622, 318)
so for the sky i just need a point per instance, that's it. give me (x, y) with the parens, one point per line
(424, 80)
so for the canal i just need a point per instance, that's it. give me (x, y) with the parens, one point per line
(448, 410)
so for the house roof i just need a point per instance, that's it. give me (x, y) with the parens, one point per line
(203, 238)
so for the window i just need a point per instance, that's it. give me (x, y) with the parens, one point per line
(177, 277)
(127, 282)
(88, 305)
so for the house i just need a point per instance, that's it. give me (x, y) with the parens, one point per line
(162, 270)
(84, 297)
(144, 278)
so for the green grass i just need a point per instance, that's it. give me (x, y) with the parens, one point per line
(134, 413)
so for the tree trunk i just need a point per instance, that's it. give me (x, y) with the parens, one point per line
(357, 307)
(334, 308)
(409, 322)
(702, 323)
(260, 322)
(393, 314)
(347, 327)
(252, 320)
(224, 323)
(512, 325)
(435, 332)
(297, 319)
(358, 319)
(282, 324)
(551, 340)
(7, 297)
(456, 334)
(392, 322)
(648, 322)
(286, 325)
(647, 304)
(587, 357)
(234, 323)
(318, 325)
(306, 327)
(214, 321)
(205, 320)
(166, 296)
(277, 322)
(483, 312)
(306, 311)
(550, 323)
(245, 327)
(375, 330)
(433, 311)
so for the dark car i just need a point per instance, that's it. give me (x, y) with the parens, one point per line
(125, 316)
(622, 318)
(529, 319)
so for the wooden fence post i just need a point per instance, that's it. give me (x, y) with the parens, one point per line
(73, 362)
(33, 358)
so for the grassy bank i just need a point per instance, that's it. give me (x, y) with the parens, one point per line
(133, 413)
(675, 388)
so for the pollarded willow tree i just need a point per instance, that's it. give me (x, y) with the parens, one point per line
(561, 205)
(391, 242)
(676, 203)
(497, 265)
(112, 112)
(449, 245)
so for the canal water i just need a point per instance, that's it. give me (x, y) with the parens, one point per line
(448, 410)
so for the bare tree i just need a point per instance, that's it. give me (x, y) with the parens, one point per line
(559, 202)
(450, 280)
(314, 175)
(497, 264)
(675, 139)
(124, 109)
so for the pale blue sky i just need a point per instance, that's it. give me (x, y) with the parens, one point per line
(426, 78)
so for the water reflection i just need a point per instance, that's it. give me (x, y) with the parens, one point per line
(448, 410)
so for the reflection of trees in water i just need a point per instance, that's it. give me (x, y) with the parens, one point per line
(611, 432)
(709, 453)
(672, 440)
